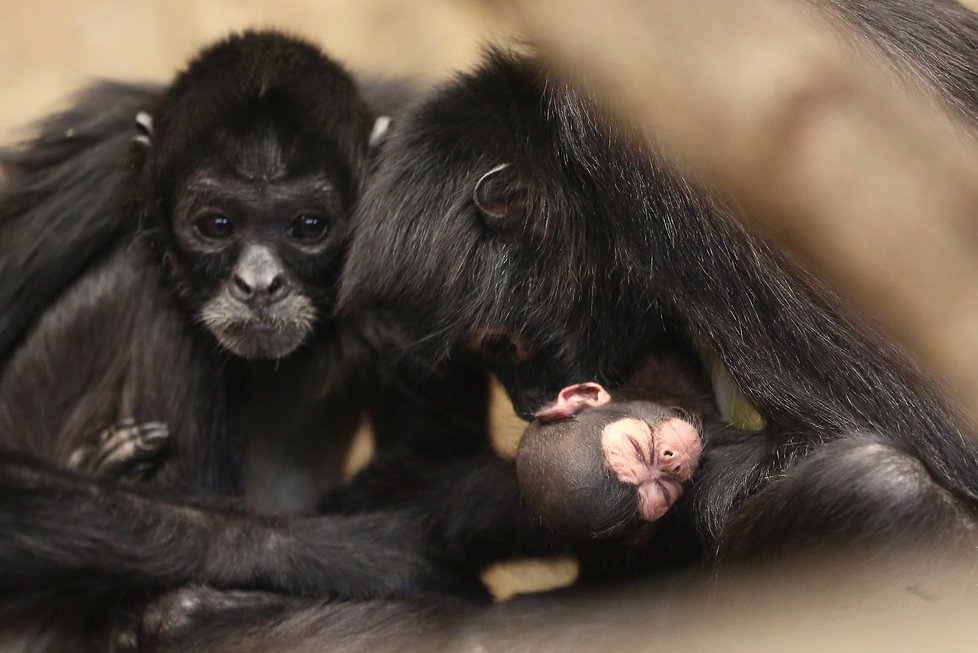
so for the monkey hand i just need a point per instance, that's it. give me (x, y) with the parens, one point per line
(175, 621)
(123, 450)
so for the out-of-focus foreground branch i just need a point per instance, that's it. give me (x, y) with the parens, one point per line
(872, 185)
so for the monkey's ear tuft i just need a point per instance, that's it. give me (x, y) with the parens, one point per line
(501, 197)
(379, 133)
(144, 124)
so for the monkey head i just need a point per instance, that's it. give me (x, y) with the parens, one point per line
(502, 217)
(254, 160)
(591, 467)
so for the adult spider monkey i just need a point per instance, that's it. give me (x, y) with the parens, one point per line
(575, 254)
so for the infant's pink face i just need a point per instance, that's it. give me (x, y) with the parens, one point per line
(656, 460)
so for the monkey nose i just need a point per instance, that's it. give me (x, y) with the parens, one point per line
(259, 292)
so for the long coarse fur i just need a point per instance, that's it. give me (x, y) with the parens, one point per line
(616, 251)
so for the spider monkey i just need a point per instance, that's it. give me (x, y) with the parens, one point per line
(201, 249)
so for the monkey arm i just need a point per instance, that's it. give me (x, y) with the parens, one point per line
(422, 420)
(859, 490)
(115, 346)
(471, 506)
(60, 533)
(473, 511)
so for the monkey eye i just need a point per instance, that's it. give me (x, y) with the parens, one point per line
(308, 227)
(215, 226)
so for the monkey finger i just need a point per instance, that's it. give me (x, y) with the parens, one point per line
(129, 447)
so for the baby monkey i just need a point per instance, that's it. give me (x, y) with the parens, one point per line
(593, 467)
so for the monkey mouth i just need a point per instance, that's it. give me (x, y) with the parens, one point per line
(262, 324)
(498, 342)
(262, 339)
(259, 334)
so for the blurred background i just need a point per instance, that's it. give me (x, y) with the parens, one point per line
(50, 47)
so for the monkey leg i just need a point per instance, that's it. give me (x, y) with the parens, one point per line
(176, 619)
(123, 450)
(860, 490)
(200, 619)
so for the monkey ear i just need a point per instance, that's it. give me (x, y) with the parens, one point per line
(572, 400)
(379, 133)
(501, 198)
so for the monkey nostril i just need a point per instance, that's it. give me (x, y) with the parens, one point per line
(241, 289)
(278, 289)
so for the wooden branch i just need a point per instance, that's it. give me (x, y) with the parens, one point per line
(874, 186)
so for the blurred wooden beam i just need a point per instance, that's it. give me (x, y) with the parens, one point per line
(873, 186)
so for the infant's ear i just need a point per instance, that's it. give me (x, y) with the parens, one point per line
(572, 400)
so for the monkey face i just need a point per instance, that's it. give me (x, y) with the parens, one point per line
(257, 241)
(248, 188)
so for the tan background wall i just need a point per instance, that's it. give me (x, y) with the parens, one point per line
(49, 47)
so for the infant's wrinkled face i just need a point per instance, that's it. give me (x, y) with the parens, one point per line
(657, 457)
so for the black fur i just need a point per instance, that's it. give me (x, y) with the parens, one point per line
(59, 204)
(572, 263)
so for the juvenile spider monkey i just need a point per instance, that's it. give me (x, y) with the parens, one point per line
(207, 262)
